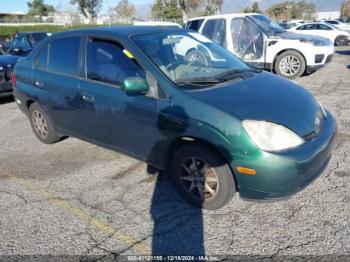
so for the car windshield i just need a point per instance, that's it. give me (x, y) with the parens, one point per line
(190, 58)
(270, 28)
(36, 38)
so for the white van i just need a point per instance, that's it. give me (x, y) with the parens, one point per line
(262, 43)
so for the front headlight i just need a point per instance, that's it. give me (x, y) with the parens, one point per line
(270, 136)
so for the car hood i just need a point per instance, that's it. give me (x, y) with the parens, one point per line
(269, 98)
(8, 59)
(290, 35)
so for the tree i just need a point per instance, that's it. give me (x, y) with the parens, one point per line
(38, 8)
(125, 10)
(253, 9)
(192, 8)
(256, 8)
(345, 10)
(171, 11)
(303, 10)
(157, 10)
(89, 8)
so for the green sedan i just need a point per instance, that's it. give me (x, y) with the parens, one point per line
(183, 104)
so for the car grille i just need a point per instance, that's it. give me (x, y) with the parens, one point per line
(6, 74)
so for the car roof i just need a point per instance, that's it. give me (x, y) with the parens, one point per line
(224, 16)
(121, 31)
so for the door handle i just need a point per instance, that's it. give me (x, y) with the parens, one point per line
(38, 84)
(88, 97)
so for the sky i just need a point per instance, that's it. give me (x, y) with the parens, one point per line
(9, 6)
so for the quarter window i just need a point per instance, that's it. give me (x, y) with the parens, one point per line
(64, 55)
(215, 29)
(107, 62)
(42, 58)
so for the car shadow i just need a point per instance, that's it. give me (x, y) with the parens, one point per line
(6, 100)
(177, 226)
(348, 66)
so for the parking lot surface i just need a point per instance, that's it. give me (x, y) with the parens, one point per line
(74, 198)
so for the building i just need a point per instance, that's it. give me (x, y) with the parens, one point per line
(328, 15)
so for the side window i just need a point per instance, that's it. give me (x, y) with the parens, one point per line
(107, 62)
(64, 55)
(308, 27)
(323, 27)
(215, 29)
(194, 24)
(42, 58)
(247, 40)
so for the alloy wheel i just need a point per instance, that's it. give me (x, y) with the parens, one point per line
(40, 124)
(289, 65)
(199, 179)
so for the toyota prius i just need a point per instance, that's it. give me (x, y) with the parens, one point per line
(183, 104)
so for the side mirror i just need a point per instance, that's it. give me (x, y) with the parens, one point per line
(135, 85)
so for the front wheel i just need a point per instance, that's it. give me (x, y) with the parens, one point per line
(290, 64)
(341, 41)
(202, 177)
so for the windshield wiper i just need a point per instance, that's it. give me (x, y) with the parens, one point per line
(199, 81)
(236, 73)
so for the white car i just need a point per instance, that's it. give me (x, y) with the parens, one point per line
(157, 23)
(338, 24)
(337, 36)
(259, 41)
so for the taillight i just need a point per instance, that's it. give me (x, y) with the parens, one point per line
(13, 79)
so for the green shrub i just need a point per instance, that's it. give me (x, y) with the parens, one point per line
(12, 30)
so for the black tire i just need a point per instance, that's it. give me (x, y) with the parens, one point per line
(288, 72)
(41, 125)
(341, 41)
(224, 187)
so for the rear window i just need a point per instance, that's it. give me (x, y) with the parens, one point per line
(64, 55)
(194, 24)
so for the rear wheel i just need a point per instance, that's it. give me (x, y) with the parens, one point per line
(41, 125)
(341, 41)
(202, 177)
(290, 64)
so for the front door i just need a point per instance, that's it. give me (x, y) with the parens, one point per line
(247, 41)
(113, 118)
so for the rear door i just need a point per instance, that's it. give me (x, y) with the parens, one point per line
(113, 118)
(57, 77)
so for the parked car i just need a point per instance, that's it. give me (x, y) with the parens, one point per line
(20, 46)
(263, 44)
(7, 63)
(24, 42)
(287, 25)
(338, 24)
(218, 127)
(337, 36)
